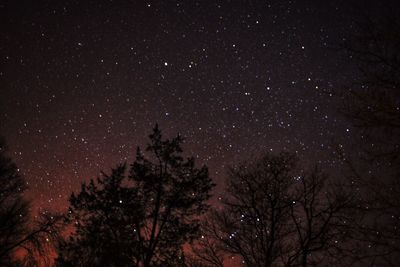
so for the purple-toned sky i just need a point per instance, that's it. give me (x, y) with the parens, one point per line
(83, 82)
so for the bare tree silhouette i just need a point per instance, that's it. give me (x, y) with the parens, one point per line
(275, 214)
(372, 104)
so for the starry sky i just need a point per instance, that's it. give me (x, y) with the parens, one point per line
(82, 83)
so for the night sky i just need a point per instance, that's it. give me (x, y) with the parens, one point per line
(82, 83)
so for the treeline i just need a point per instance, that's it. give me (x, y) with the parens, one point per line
(274, 211)
(155, 212)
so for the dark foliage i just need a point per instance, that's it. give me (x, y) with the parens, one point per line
(140, 219)
(18, 232)
(106, 216)
(14, 211)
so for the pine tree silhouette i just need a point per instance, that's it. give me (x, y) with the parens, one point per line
(143, 218)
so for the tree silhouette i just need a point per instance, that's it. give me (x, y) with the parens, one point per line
(14, 211)
(372, 101)
(18, 232)
(323, 222)
(140, 219)
(106, 216)
(372, 105)
(206, 251)
(275, 214)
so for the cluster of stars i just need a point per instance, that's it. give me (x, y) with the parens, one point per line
(85, 83)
